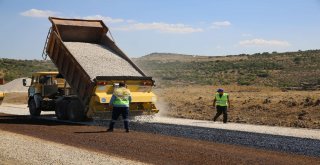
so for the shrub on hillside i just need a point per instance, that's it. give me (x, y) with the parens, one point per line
(262, 73)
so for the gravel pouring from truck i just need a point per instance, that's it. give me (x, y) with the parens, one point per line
(93, 65)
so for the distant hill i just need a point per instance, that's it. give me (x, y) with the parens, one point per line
(171, 57)
(263, 69)
(12, 69)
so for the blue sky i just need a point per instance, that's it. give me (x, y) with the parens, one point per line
(197, 27)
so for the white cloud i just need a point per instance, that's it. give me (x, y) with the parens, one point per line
(105, 19)
(131, 21)
(132, 25)
(263, 42)
(219, 47)
(246, 35)
(216, 25)
(38, 13)
(162, 27)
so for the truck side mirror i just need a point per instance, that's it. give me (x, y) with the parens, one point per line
(24, 82)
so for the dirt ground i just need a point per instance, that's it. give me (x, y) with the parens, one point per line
(253, 105)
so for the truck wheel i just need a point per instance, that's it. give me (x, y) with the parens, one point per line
(34, 111)
(61, 109)
(76, 110)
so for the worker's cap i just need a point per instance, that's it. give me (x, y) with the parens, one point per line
(220, 90)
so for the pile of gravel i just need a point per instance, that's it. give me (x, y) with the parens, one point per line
(98, 60)
(15, 86)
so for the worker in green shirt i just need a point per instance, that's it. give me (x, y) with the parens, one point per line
(120, 101)
(221, 102)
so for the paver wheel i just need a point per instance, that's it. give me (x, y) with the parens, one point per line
(34, 111)
(62, 109)
(76, 110)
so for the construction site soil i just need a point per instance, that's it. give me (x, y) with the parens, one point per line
(146, 147)
(249, 104)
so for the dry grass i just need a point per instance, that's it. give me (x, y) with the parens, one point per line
(249, 104)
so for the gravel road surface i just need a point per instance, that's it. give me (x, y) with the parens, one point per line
(21, 149)
(291, 140)
(146, 147)
(19, 109)
(303, 146)
(263, 129)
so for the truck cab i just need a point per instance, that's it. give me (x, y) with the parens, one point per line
(44, 89)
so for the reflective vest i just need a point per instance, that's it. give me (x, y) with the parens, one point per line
(223, 100)
(122, 96)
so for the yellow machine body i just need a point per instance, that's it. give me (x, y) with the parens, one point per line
(143, 99)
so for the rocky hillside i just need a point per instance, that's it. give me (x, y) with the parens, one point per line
(12, 69)
(262, 69)
(288, 69)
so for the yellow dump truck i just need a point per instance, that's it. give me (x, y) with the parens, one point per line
(92, 66)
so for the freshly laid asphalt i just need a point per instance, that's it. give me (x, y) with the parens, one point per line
(158, 143)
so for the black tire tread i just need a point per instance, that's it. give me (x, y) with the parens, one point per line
(32, 108)
(76, 110)
(61, 110)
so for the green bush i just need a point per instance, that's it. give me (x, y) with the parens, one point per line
(262, 73)
(297, 60)
(243, 82)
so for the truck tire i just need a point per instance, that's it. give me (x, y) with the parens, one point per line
(61, 110)
(76, 110)
(34, 111)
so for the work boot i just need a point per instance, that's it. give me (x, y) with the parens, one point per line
(110, 130)
(214, 119)
(127, 131)
(111, 126)
(126, 125)
(225, 120)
